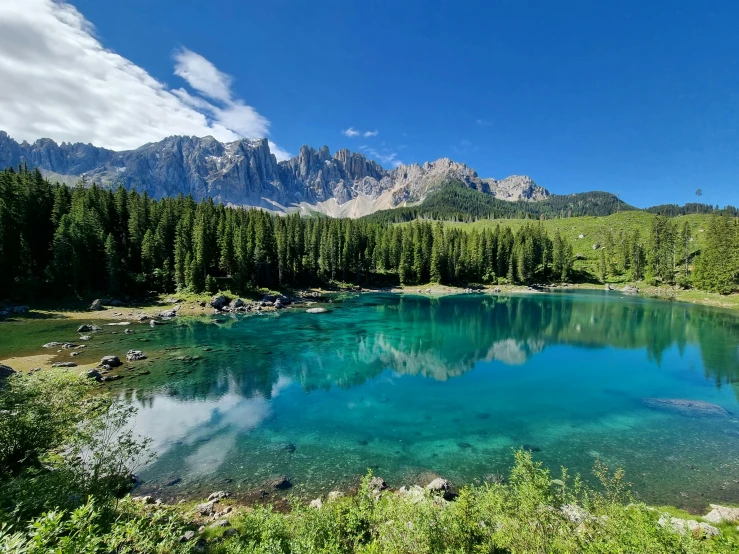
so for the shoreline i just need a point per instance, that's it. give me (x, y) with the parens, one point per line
(198, 304)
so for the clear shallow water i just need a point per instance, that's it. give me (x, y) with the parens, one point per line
(413, 387)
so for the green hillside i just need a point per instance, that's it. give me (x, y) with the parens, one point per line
(454, 201)
(594, 230)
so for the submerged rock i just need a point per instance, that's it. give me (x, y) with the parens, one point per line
(281, 483)
(687, 407)
(316, 311)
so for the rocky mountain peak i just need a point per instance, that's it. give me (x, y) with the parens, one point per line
(245, 172)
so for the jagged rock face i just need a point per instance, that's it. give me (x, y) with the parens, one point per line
(246, 173)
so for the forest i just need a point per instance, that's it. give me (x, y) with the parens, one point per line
(66, 241)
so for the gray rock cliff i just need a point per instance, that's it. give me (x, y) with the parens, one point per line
(246, 173)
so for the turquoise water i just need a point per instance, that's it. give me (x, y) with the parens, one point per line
(413, 387)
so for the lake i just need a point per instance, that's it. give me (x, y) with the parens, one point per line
(413, 387)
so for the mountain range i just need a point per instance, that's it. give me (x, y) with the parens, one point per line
(246, 173)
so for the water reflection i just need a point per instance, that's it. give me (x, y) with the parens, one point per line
(437, 338)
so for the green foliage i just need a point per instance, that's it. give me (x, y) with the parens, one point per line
(40, 414)
(717, 267)
(532, 513)
(60, 444)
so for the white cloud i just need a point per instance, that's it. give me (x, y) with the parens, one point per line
(384, 156)
(371, 133)
(59, 81)
(350, 132)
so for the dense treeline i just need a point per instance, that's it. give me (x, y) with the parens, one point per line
(668, 255)
(454, 201)
(88, 238)
(674, 210)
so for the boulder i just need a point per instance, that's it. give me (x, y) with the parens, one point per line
(377, 484)
(87, 328)
(6, 371)
(682, 526)
(596, 246)
(414, 494)
(334, 495)
(317, 504)
(20, 309)
(632, 289)
(219, 523)
(218, 495)
(53, 344)
(268, 299)
(278, 304)
(187, 536)
(722, 514)
(111, 361)
(135, 355)
(206, 508)
(94, 374)
(236, 303)
(64, 364)
(96, 305)
(143, 499)
(168, 314)
(128, 332)
(608, 287)
(119, 323)
(575, 513)
(85, 337)
(109, 378)
(316, 311)
(439, 485)
(219, 301)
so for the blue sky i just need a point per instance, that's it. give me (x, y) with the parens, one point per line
(636, 98)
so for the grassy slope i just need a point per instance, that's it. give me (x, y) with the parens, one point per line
(594, 229)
